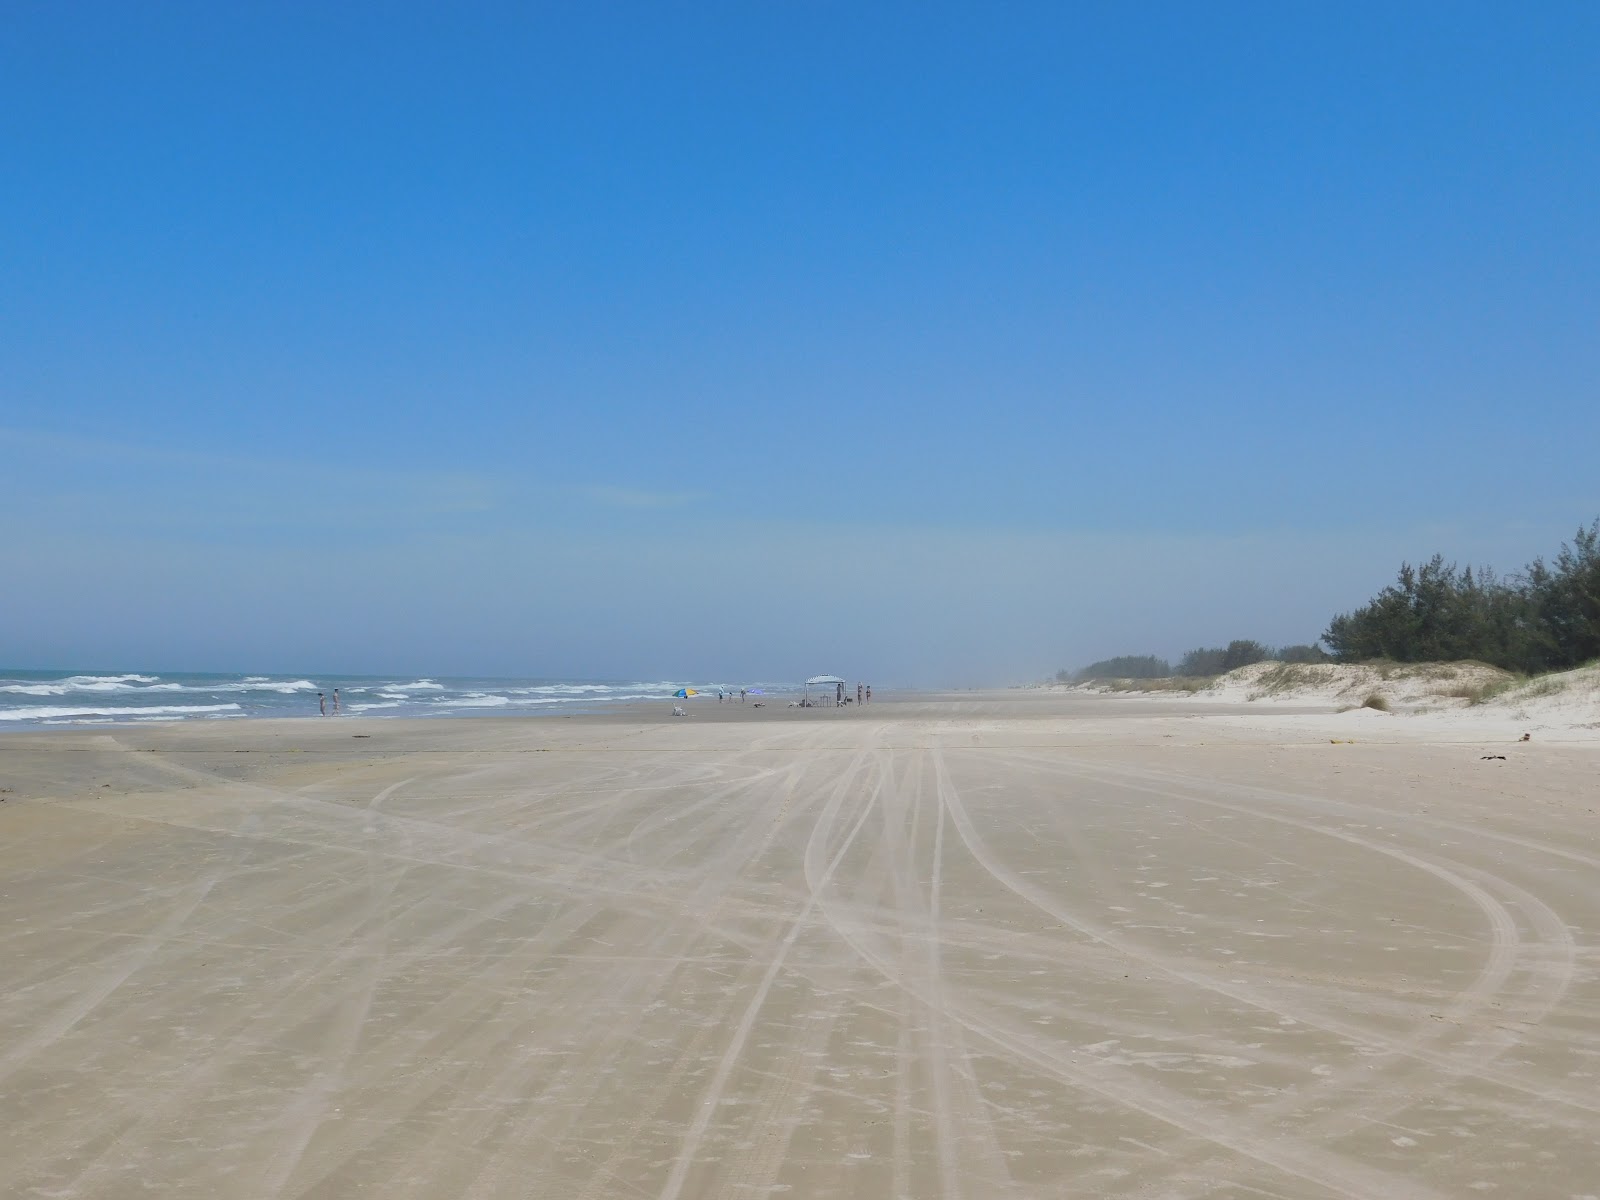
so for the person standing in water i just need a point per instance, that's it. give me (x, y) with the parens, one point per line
(322, 704)
(336, 702)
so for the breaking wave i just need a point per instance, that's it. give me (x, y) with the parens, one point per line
(58, 698)
(49, 713)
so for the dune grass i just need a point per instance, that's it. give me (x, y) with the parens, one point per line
(1287, 677)
(1171, 683)
(1482, 693)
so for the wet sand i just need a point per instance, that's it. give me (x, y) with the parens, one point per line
(970, 946)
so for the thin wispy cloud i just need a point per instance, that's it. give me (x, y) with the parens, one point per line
(107, 483)
(638, 498)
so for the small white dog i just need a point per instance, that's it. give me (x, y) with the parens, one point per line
(677, 711)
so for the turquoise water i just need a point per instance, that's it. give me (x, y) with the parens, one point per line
(33, 698)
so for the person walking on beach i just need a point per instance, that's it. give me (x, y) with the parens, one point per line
(858, 693)
(869, 693)
(322, 704)
(336, 702)
(741, 695)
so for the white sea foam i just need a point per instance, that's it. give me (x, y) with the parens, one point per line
(145, 684)
(561, 689)
(607, 691)
(88, 683)
(153, 710)
(284, 687)
(474, 700)
(102, 698)
(109, 683)
(527, 701)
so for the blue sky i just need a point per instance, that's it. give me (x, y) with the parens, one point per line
(932, 343)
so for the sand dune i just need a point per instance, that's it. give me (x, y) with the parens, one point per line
(1025, 944)
(1474, 696)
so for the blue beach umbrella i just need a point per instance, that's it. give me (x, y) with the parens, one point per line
(684, 693)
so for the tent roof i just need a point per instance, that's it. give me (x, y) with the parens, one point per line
(824, 679)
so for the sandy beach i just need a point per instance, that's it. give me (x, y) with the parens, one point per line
(976, 945)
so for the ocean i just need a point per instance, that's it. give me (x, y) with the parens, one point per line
(35, 698)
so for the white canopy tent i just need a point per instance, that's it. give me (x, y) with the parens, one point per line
(832, 681)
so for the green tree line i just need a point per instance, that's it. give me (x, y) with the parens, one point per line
(1545, 618)
(1204, 660)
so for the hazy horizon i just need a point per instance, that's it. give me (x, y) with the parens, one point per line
(938, 346)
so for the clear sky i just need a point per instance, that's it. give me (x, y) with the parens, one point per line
(930, 343)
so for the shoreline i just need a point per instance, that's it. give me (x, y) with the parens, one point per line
(1294, 721)
(44, 698)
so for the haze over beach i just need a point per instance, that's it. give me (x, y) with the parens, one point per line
(1017, 591)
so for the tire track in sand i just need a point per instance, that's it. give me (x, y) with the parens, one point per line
(1549, 980)
(974, 1125)
(1310, 1164)
(120, 968)
(817, 878)
(305, 1115)
(1503, 960)
(521, 1091)
(669, 945)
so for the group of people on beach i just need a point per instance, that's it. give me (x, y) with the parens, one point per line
(725, 695)
(840, 696)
